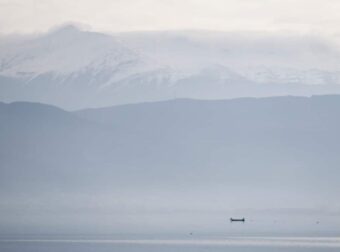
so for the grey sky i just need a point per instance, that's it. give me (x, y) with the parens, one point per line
(312, 16)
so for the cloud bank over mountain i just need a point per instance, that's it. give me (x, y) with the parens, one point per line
(301, 16)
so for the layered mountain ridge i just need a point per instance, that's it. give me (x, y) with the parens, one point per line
(184, 164)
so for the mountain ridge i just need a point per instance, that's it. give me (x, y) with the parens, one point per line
(202, 158)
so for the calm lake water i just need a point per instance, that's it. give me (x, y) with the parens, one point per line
(235, 244)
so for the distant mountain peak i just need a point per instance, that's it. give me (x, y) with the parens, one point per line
(69, 28)
(64, 31)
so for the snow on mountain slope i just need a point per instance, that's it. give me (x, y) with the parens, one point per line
(73, 69)
(286, 75)
(68, 52)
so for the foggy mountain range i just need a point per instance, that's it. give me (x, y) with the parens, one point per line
(76, 69)
(108, 168)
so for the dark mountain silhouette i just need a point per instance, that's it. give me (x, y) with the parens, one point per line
(254, 153)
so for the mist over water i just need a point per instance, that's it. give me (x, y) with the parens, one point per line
(174, 167)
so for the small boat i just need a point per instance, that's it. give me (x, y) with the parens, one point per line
(239, 220)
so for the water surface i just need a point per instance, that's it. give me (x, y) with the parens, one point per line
(235, 244)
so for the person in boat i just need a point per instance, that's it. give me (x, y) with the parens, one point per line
(232, 219)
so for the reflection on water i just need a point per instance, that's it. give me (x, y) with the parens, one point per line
(241, 244)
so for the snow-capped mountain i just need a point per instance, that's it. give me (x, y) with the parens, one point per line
(73, 69)
(69, 53)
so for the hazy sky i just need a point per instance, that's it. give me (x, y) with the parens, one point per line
(315, 16)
